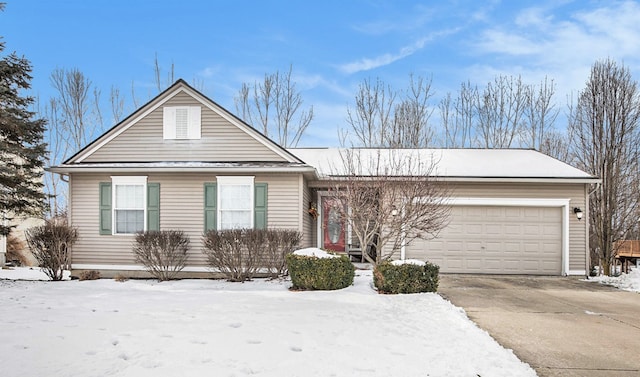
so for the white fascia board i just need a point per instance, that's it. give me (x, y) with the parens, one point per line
(66, 169)
(518, 180)
(510, 202)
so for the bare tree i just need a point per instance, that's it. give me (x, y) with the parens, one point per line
(390, 198)
(274, 107)
(157, 70)
(74, 118)
(500, 109)
(458, 117)
(384, 117)
(540, 114)
(117, 104)
(410, 126)
(371, 116)
(604, 128)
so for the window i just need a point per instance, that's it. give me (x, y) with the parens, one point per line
(129, 198)
(235, 202)
(181, 122)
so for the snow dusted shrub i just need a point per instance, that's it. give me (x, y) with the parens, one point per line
(163, 253)
(89, 275)
(309, 272)
(51, 244)
(397, 277)
(240, 254)
(280, 243)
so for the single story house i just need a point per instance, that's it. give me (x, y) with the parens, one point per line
(182, 161)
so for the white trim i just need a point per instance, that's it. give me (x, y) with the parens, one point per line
(120, 180)
(511, 202)
(235, 180)
(527, 202)
(288, 156)
(577, 273)
(319, 233)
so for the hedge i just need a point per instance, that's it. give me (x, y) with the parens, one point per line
(406, 278)
(312, 273)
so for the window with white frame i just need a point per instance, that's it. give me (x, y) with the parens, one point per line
(181, 122)
(129, 204)
(235, 202)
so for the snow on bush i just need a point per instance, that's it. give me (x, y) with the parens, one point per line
(314, 252)
(400, 262)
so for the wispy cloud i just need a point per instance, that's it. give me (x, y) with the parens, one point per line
(414, 20)
(566, 49)
(366, 64)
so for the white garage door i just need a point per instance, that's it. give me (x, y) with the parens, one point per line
(496, 240)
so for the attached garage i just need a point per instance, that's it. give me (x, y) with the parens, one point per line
(497, 240)
(514, 211)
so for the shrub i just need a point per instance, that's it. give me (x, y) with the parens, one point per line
(51, 245)
(280, 243)
(89, 275)
(240, 254)
(406, 278)
(227, 252)
(320, 273)
(15, 249)
(120, 278)
(163, 253)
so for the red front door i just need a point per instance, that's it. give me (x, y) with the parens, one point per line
(333, 224)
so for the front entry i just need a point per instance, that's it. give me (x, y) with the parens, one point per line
(333, 229)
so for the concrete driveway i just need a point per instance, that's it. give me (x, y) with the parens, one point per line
(559, 326)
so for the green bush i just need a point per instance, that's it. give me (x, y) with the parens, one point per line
(406, 278)
(308, 273)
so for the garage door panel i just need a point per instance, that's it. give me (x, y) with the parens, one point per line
(497, 240)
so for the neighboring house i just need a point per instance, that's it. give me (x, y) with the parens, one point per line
(182, 161)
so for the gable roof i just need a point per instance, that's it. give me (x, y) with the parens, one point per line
(179, 86)
(449, 164)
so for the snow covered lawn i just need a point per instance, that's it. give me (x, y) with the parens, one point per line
(215, 328)
(627, 282)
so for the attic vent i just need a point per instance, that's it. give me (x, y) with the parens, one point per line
(181, 122)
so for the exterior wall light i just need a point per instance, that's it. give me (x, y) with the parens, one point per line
(578, 212)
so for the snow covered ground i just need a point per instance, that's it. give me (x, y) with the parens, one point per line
(627, 282)
(215, 328)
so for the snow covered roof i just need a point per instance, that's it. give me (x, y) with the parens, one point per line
(498, 164)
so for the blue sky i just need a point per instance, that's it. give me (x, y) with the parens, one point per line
(333, 45)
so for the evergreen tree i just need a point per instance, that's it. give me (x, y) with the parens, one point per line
(22, 149)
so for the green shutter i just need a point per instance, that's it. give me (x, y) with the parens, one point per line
(210, 206)
(260, 206)
(153, 206)
(105, 208)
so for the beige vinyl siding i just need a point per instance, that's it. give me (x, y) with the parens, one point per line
(221, 141)
(574, 192)
(181, 207)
